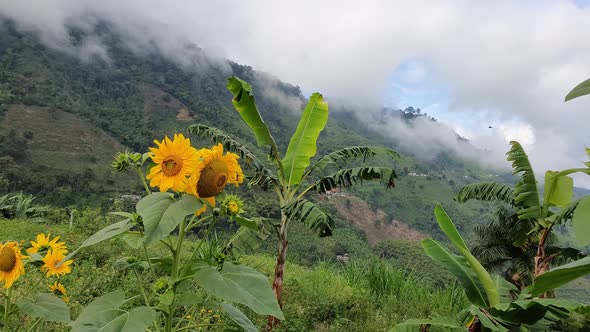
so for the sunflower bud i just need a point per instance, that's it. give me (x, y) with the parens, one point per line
(232, 205)
(121, 162)
(160, 286)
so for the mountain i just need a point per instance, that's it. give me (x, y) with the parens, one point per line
(63, 117)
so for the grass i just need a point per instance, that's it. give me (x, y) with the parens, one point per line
(359, 296)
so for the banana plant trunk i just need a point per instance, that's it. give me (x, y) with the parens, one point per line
(277, 285)
(543, 261)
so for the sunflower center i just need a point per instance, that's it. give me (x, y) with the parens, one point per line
(172, 165)
(58, 292)
(7, 259)
(233, 207)
(213, 179)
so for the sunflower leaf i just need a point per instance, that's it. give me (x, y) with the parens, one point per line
(241, 284)
(239, 318)
(45, 306)
(161, 214)
(106, 233)
(105, 314)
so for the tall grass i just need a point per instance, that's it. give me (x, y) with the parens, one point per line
(368, 295)
(402, 293)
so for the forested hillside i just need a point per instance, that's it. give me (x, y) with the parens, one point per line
(194, 235)
(49, 97)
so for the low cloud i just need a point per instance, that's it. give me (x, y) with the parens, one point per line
(518, 59)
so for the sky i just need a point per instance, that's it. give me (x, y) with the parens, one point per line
(471, 64)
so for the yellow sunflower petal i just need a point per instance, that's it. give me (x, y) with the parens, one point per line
(11, 263)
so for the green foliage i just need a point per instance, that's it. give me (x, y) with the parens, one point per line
(459, 266)
(161, 214)
(239, 318)
(503, 246)
(486, 191)
(105, 314)
(526, 196)
(559, 189)
(580, 90)
(440, 324)
(410, 257)
(313, 216)
(245, 104)
(241, 284)
(560, 275)
(46, 306)
(503, 311)
(303, 144)
(351, 153)
(338, 297)
(348, 177)
(20, 206)
(106, 233)
(581, 221)
(484, 277)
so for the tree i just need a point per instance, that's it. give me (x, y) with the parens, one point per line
(536, 215)
(292, 173)
(496, 305)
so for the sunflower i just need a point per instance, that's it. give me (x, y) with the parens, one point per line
(176, 159)
(213, 174)
(54, 265)
(11, 265)
(60, 291)
(45, 243)
(232, 205)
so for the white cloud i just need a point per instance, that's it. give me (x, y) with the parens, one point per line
(518, 59)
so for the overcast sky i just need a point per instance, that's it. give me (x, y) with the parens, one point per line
(472, 64)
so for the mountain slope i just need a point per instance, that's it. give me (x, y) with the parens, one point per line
(134, 98)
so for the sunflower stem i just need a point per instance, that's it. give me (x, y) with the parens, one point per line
(145, 298)
(6, 309)
(34, 286)
(147, 258)
(200, 325)
(188, 313)
(142, 177)
(34, 324)
(194, 254)
(197, 223)
(175, 269)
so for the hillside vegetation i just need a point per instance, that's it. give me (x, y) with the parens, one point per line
(134, 99)
(193, 236)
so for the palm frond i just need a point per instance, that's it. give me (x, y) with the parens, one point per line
(526, 194)
(350, 176)
(486, 191)
(262, 177)
(564, 214)
(246, 240)
(312, 216)
(348, 154)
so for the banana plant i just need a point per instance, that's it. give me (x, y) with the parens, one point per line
(292, 175)
(580, 90)
(554, 207)
(496, 305)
